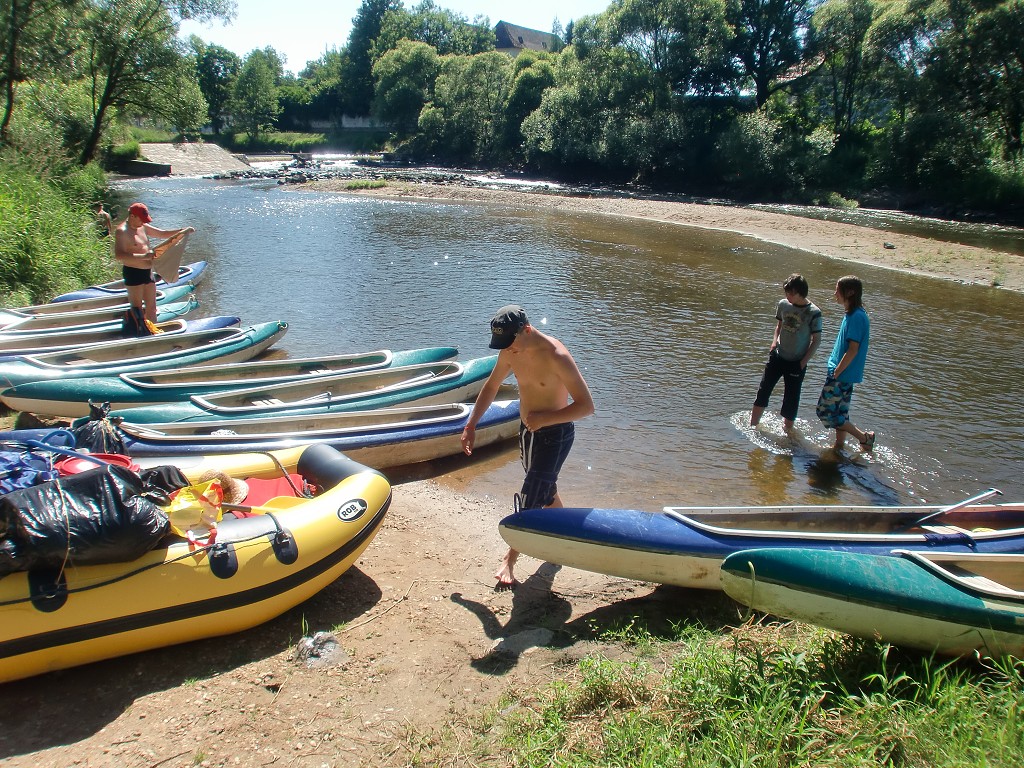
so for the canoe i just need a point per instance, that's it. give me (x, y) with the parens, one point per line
(104, 321)
(424, 384)
(47, 316)
(257, 568)
(128, 390)
(187, 273)
(380, 438)
(151, 352)
(937, 602)
(53, 342)
(685, 546)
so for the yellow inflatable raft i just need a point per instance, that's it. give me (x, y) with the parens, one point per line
(257, 568)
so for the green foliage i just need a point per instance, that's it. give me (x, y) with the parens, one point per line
(256, 102)
(217, 69)
(811, 700)
(48, 238)
(404, 83)
(366, 184)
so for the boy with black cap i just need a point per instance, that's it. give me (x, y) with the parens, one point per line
(552, 395)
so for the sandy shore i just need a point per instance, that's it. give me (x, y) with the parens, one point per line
(848, 242)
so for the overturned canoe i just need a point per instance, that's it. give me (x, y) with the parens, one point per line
(129, 390)
(938, 602)
(422, 384)
(143, 354)
(256, 568)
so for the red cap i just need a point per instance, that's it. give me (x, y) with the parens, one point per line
(141, 211)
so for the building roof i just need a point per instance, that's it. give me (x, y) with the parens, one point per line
(511, 37)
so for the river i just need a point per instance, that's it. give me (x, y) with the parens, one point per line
(670, 326)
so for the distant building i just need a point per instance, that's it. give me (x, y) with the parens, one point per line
(512, 39)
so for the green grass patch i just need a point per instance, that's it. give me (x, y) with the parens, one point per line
(356, 140)
(49, 241)
(366, 184)
(763, 695)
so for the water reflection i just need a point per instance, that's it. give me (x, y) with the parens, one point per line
(669, 324)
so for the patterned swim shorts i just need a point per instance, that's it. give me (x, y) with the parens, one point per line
(834, 403)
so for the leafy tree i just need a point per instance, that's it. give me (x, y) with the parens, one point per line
(358, 73)
(217, 69)
(133, 48)
(769, 41)
(446, 31)
(256, 101)
(464, 120)
(37, 38)
(532, 74)
(405, 82)
(840, 29)
(186, 106)
(322, 78)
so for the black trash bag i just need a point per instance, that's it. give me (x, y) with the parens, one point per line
(160, 482)
(97, 516)
(100, 434)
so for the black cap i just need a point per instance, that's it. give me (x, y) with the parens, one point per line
(506, 324)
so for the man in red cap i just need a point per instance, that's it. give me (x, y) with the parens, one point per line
(132, 249)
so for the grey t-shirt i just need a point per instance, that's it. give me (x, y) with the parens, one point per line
(797, 325)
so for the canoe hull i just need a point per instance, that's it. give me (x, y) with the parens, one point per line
(892, 599)
(71, 397)
(169, 596)
(667, 548)
(187, 273)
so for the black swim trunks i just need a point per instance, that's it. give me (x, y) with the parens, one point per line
(137, 276)
(543, 452)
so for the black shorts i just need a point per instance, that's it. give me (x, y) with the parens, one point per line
(137, 276)
(543, 452)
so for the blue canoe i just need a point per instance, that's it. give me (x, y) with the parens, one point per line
(39, 317)
(18, 346)
(380, 438)
(102, 322)
(149, 353)
(187, 273)
(70, 397)
(685, 546)
(939, 602)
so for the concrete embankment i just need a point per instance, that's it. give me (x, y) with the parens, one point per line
(193, 159)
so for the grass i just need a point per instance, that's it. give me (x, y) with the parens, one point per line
(762, 695)
(366, 184)
(356, 140)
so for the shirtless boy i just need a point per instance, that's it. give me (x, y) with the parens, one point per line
(552, 395)
(131, 248)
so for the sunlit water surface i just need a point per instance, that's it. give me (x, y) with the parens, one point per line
(670, 326)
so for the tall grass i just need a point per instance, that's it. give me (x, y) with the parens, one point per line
(49, 242)
(710, 700)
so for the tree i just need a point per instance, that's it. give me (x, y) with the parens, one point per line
(769, 42)
(839, 29)
(405, 82)
(186, 107)
(217, 69)
(358, 74)
(256, 104)
(37, 38)
(445, 31)
(133, 48)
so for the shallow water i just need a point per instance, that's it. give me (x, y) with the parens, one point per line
(670, 326)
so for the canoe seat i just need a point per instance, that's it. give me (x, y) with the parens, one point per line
(267, 403)
(319, 371)
(945, 529)
(982, 583)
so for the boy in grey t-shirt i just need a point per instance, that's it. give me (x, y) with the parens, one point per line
(797, 335)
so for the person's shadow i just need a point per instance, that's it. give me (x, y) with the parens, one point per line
(537, 614)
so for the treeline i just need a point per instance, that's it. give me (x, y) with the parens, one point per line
(922, 100)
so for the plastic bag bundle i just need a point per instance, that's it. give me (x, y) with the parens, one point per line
(98, 434)
(97, 516)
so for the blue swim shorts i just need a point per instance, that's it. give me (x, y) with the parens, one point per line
(834, 403)
(543, 452)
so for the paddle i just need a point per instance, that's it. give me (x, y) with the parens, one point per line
(952, 508)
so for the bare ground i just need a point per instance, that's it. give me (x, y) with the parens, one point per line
(430, 657)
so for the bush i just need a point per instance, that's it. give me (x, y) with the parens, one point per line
(49, 242)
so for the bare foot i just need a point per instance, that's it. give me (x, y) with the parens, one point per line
(504, 575)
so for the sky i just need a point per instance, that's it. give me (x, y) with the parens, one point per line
(303, 30)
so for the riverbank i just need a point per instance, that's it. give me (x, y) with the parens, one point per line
(846, 242)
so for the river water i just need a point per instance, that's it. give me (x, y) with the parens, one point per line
(670, 326)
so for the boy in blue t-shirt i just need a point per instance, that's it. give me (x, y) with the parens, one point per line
(846, 365)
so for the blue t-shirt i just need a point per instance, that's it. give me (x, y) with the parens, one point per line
(855, 327)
